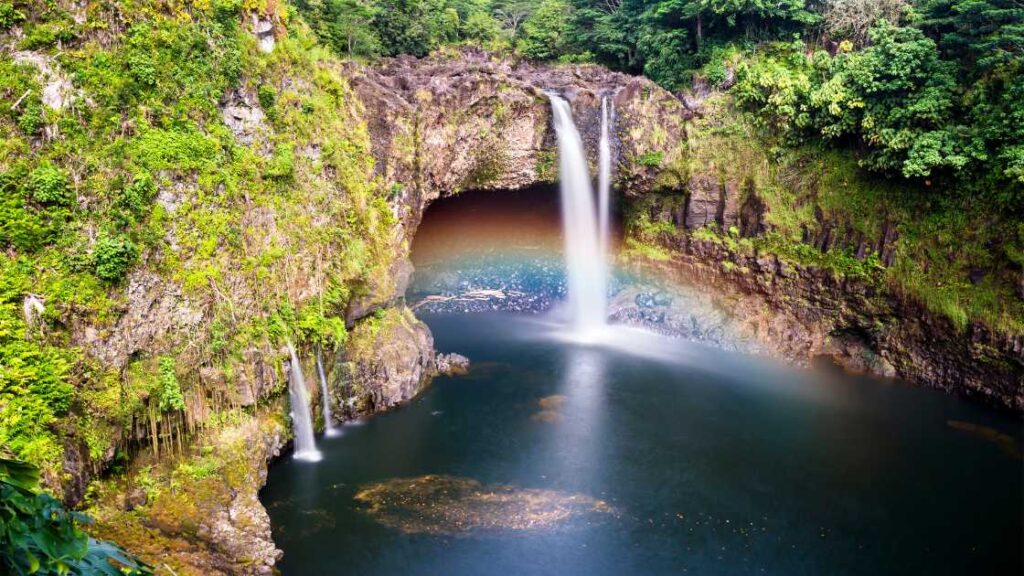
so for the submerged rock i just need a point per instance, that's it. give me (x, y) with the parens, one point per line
(550, 409)
(1008, 444)
(450, 505)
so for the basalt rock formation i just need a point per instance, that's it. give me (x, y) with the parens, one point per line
(468, 121)
(761, 303)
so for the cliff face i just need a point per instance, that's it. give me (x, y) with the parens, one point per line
(759, 303)
(296, 226)
(467, 121)
(813, 257)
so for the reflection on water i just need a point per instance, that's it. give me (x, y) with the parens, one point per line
(1006, 443)
(434, 504)
(713, 464)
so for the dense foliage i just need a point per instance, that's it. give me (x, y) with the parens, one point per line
(923, 90)
(38, 536)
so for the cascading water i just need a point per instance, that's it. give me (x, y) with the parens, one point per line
(604, 180)
(305, 444)
(329, 429)
(585, 265)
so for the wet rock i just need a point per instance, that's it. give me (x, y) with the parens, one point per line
(452, 364)
(679, 311)
(389, 359)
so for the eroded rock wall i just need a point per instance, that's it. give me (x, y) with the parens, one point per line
(760, 303)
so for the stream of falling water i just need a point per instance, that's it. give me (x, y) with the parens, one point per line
(586, 270)
(329, 429)
(604, 181)
(302, 421)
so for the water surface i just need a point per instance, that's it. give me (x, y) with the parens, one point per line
(553, 457)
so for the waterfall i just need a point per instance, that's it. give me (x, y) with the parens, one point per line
(604, 181)
(585, 266)
(305, 445)
(329, 428)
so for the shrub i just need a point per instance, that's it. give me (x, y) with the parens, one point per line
(9, 15)
(49, 186)
(282, 165)
(135, 197)
(30, 121)
(266, 95)
(186, 149)
(113, 256)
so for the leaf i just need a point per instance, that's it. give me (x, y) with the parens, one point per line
(19, 474)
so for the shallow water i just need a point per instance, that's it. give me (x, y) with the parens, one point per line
(555, 457)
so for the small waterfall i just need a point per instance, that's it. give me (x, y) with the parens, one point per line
(305, 444)
(585, 266)
(604, 179)
(329, 429)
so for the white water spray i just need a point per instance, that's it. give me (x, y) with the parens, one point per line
(329, 429)
(305, 444)
(604, 180)
(585, 266)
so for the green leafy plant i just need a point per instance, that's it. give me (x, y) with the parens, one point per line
(39, 537)
(651, 159)
(9, 15)
(266, 95)
(48, 185)
(171, 398)
(113, 256)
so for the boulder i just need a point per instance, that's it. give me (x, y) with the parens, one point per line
(388, 360)
(452, 364)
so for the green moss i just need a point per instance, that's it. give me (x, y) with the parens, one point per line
(651, 159)
(547, 168)
(644, 250)
(230, 225)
